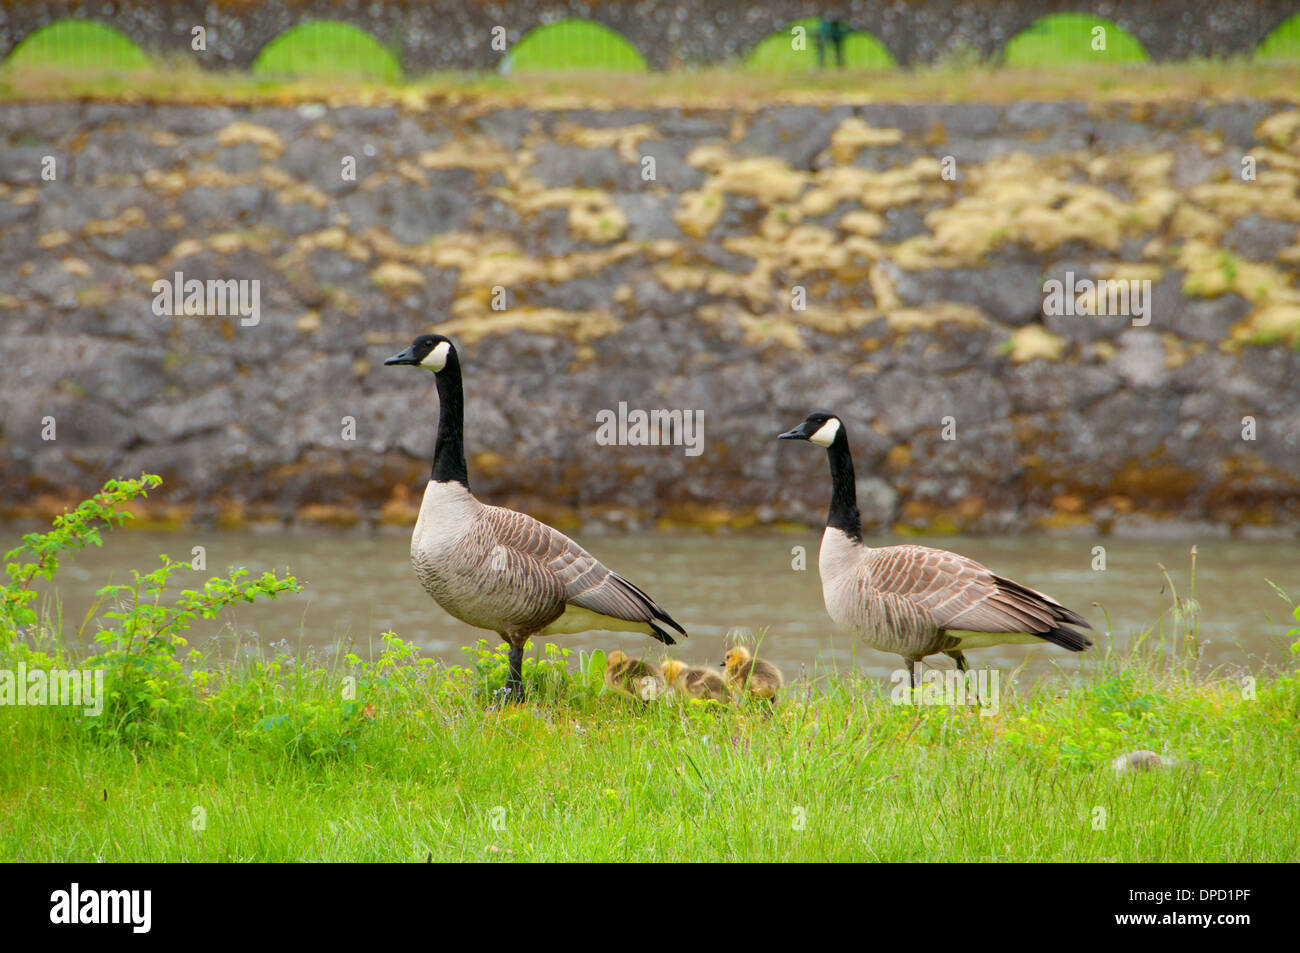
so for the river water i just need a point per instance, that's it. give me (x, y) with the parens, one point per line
(358, 585)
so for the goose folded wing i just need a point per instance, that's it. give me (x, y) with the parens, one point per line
(586, 581)
(960, 594)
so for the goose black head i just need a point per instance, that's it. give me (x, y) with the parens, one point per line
(819, 428)
(430, 351)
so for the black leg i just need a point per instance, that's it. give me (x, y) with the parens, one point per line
(515, 682)
(960, 659)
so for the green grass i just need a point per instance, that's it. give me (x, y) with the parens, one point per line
(327, 48)
(1067, 39)
(273, 757)
(78, 44)
(834, 773)
(1283, 43)
(777, 54)
(575, 44)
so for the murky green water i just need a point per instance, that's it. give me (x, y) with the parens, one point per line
(358, 586)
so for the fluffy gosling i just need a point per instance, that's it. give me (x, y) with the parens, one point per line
(753, 676)
(634, 677)
(696, 682)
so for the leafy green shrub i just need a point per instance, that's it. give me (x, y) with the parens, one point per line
(151, 684)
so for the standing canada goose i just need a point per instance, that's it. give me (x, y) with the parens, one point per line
(633, 676)
(501, 570)
(748, 674)
(915, 600)
(696, 682)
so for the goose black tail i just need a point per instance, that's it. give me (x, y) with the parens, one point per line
(1066, 638)
(656, 614)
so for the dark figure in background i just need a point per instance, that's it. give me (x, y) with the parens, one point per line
(832, 31)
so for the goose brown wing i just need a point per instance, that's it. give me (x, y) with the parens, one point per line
(959, 593)
(586, 581)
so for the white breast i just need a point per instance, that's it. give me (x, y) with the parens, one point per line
(840, 566)
(446, 516)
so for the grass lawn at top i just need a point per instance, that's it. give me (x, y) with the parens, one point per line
(574, 44)
(78, 44)
(777, 52)
(1283, 43)
(1071, 39)
(327, 48)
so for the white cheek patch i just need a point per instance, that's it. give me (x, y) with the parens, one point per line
(825, 434)
(436, 359)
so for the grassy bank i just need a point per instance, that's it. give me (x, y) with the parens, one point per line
(723, 88)
(425, 769)
(382, 755)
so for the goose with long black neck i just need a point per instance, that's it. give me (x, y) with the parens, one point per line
(913, 600)
(501, 570)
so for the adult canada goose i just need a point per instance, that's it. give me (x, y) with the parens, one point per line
(501, 570)
(633, 676)
(695, 682)
(748, 674)
(915, 600)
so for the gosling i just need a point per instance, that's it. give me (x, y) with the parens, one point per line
(696, 682)
(753, 676)
(634, 677)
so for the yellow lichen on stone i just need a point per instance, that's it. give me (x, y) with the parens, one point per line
(1033, 342)
(1211, 271)
(479, 154)
(766, 179)
(1152, 209)
(1274, 194)
(853, 135)
(708, 158)
(861, 222)
(76, 267)
(304, 193)
(625, 139)
(394, 274)
(817, 201)
(1271, 324)
(472, 324)
(759, 330)
(268, 141)
(882, 289)
(128, 220)
(594, 217)
(931, 316)
(699, 211)
(836, 320)
(1281, 128)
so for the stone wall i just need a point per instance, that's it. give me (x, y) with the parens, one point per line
(454, 34)
(924, 302)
